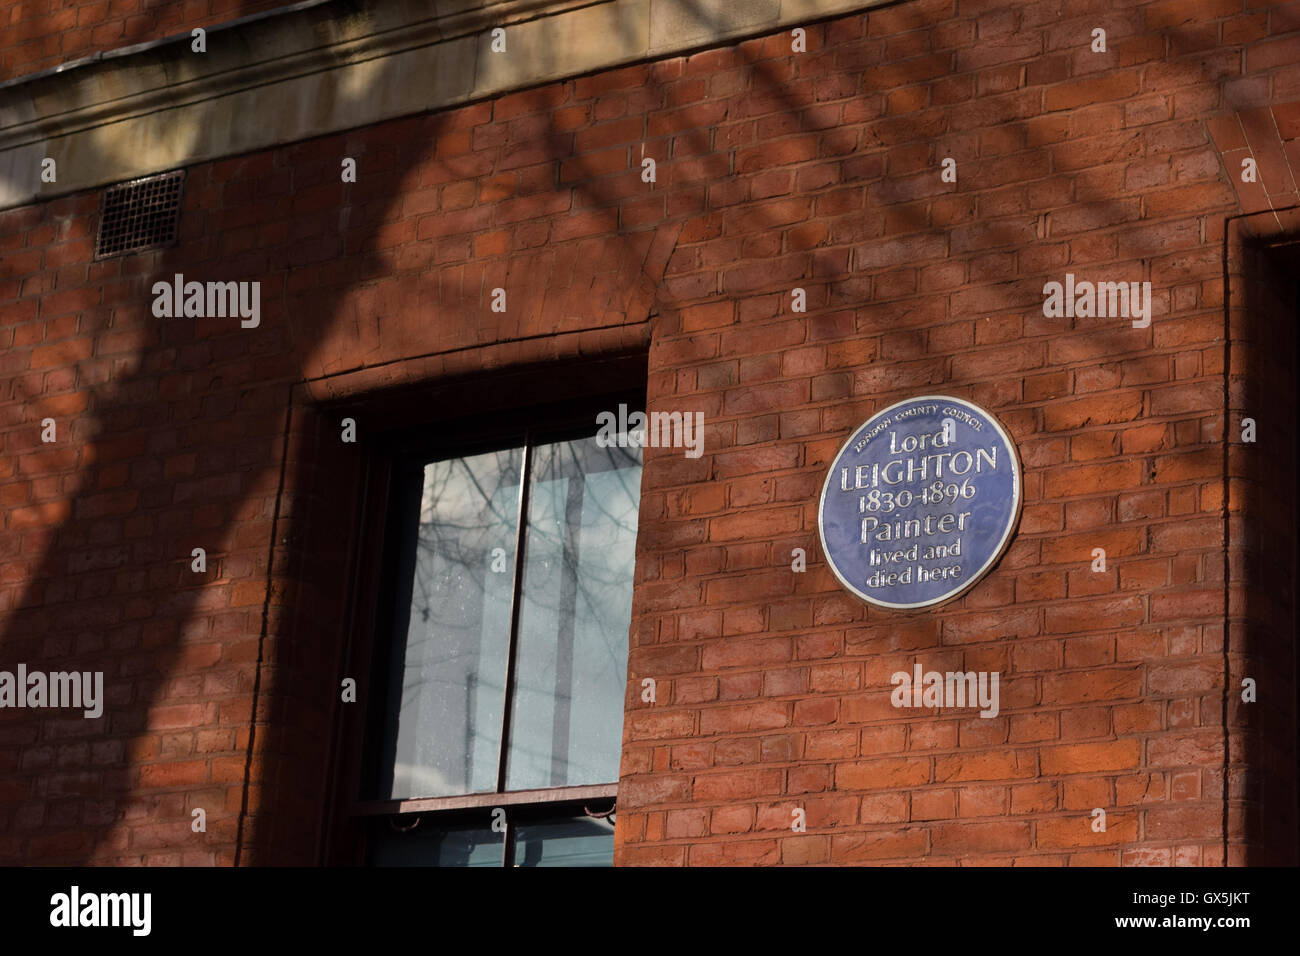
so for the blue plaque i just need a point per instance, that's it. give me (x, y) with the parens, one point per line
(920, 502)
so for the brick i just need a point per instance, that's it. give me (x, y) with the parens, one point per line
(737, 785)
(967, 838)
(881, 774)
(849, 848)
(1116, 755)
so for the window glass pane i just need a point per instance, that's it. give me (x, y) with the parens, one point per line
(576, 841)
(453, 678)
(566, 723)
(430, 845)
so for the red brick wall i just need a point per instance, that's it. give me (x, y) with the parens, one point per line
(775, 170)
(39, 34)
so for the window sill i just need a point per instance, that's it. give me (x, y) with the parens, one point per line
(431, 804)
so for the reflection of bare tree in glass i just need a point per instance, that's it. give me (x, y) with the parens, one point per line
(459, 540)
(447, 539)
(602, 587)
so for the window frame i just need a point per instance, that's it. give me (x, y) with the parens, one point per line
(383, 571)
(525, 814)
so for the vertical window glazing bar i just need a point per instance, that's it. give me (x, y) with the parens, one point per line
(515, 605)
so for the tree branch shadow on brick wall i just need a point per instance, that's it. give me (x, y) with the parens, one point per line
(224, 392)
(181, 445)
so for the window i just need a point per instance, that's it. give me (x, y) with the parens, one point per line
(503, 657)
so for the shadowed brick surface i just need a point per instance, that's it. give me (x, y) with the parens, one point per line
(818, 170)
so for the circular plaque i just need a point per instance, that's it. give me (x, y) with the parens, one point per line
(920, 502)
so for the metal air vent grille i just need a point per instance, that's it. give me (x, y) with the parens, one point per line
(140, 214)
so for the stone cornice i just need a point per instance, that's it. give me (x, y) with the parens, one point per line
(329, 65)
